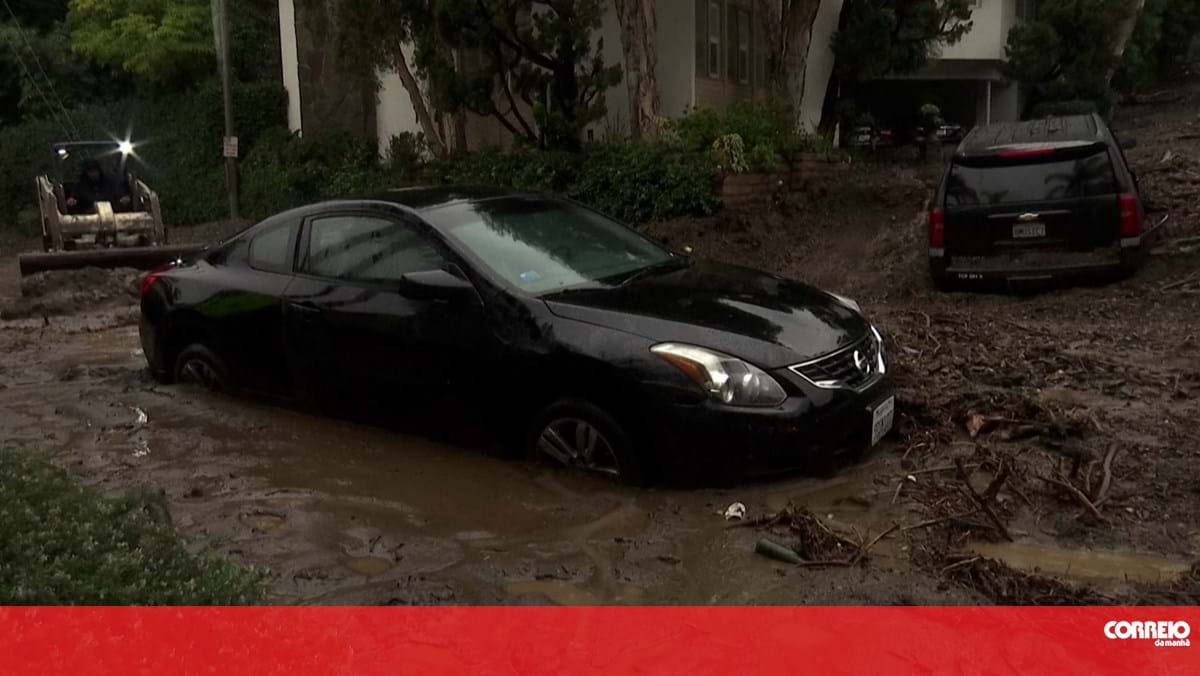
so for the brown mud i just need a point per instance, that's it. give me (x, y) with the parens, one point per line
(1093, 388)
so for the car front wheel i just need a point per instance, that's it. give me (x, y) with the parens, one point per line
(583, 436)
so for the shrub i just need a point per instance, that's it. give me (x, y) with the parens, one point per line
(766, 125)
(61, 543)
(285, 170)
(633, 182)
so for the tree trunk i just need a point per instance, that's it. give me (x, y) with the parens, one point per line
(790, 32)
(639, 30)
(1124, 32)
(420, 107)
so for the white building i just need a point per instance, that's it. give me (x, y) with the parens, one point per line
(710, 53)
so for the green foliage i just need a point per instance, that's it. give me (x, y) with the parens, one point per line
(36, 14)
(285, 170)
(63, 544)
(766, 128)
(178, 147)
(634, 182)
(1064, 53)
(158, 40)
(729, 151)
(1160, 45)
(885, 37)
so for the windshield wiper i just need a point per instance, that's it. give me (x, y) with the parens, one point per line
(661, 266)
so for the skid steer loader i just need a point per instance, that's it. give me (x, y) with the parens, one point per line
(125, 230)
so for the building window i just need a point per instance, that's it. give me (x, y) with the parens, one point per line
(1026, 9)
(714, 40)
(743, 46)
(760, 51)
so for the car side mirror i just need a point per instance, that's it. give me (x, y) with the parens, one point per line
(436, 285)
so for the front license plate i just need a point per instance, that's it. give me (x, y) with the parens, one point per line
(1026, 230)
(881, 419)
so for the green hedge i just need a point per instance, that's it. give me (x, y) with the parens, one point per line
(61, 543)
(178, 151)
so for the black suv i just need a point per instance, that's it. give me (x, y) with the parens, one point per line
(1032, 201)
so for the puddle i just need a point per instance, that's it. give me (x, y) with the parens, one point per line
(369, 565)
(1083, 563)
(267, 522)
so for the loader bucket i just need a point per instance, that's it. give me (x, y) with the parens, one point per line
(141, 257)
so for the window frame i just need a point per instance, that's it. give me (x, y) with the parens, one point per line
(713, 39)
(744, 57)
(305, 237)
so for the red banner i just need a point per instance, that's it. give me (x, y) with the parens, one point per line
(608, 640)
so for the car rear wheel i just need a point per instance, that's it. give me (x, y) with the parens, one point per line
(583, 436)
(200, 365)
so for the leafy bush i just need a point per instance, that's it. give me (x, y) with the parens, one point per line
(285, 170)
(634, 182)
(767, 126)
(61, 543)
(178, 147)
(730, 153)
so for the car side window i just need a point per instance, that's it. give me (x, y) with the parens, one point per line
(360, 247)
(271, 249)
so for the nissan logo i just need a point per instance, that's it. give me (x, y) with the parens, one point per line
(862, 362)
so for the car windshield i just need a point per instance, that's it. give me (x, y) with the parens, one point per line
(1037, 182)
(542, 246)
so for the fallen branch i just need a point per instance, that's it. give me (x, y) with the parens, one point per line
(983, 504)
(1077, 494)
(862, 551)
(1102, 491)
(1182, 282)
(934, 522)
(960, 564)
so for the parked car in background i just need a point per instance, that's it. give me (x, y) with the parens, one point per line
(1032, 201)
(589, 343)
(950, 133)
(871, 137)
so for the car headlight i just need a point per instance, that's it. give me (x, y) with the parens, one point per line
(881, 367)
(848, 302)
(727, 379)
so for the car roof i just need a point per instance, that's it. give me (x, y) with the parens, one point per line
(1046, 132)
(428, 197)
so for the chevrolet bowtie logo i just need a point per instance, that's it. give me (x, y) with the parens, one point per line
(1028, 216)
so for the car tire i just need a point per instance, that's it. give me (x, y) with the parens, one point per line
(564, 431)
(200, 365)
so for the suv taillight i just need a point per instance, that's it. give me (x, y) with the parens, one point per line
(937, 228)
(149, 280)
(1131, 222)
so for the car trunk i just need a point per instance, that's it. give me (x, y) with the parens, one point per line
(1065, 200)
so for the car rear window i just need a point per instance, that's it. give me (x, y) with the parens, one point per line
(1035, 182)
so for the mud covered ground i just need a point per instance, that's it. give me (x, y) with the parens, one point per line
(1072, 414)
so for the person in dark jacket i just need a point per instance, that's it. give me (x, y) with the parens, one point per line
(93, 186)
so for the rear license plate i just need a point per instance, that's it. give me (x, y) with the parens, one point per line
(882, 417)
(1025, 230)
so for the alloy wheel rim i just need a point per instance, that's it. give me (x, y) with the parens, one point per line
(579, 444)
(202, 373)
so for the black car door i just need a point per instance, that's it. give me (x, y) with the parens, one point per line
(361, 330)
(241, 304)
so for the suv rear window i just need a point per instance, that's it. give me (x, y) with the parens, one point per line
(969, 186)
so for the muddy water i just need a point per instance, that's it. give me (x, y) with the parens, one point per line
(346, 513)
(1104, 567)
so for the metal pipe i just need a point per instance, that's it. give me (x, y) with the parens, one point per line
(141, 257)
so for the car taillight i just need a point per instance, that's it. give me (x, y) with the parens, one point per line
(149, 280)
(937, 228)
(1131, 222)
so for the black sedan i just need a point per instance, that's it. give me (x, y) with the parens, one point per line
(574, 335)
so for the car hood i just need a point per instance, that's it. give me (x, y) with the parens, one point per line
(769, 321)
